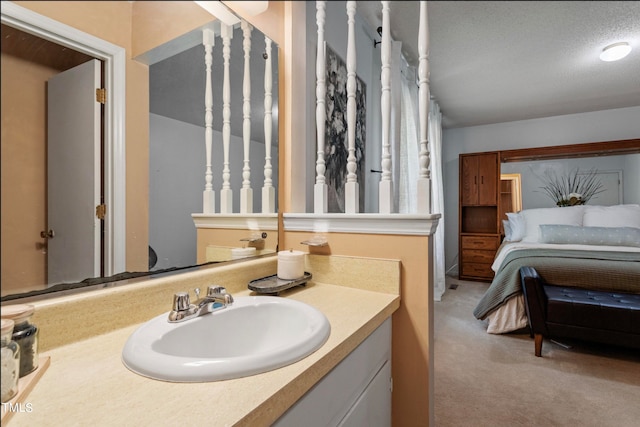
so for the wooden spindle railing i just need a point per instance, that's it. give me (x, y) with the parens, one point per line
(268, 191)
(226, 194)
(208, 196)
(352, 196)
(424, 177)
(320, 192)
(386, 196)
(246, 192)
(385, 204)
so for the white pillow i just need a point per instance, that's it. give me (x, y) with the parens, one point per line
(607, 236)
(517, 226)
(506, 225)
(570, 215)
(612, 216)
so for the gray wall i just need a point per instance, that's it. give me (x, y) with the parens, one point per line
(596, 126)
(176, 183)
(610, 170)
(632, 178)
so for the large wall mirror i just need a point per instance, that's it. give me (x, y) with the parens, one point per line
(177, 135)
(615, 165)
(176, 151)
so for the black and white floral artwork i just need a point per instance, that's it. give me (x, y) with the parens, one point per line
(336, 138)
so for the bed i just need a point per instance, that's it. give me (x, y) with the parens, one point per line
(592, 247)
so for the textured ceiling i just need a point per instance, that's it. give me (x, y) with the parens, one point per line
(500, 61)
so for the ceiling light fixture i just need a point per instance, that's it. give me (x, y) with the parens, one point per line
(615, 51)
(220, 11)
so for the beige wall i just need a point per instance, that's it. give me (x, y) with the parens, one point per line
(293, 143)
(412, 348)
(108, 20)
(157, 22)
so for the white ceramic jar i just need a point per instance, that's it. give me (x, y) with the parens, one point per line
(290, 264)
(10, 362)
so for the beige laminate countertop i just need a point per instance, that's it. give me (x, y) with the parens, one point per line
(88, 385)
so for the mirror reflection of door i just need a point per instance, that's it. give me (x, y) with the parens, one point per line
(74, 165)
(510, 195)
(611, 193)
(28, 63)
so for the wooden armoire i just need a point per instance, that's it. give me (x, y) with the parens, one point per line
(478, 216)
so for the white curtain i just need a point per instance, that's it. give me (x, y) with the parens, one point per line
(408, 174)
(405, 147)
(437, 196)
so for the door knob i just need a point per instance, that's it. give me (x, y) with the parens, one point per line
(47, 234)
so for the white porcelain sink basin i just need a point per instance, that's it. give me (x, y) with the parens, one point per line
(253, 335)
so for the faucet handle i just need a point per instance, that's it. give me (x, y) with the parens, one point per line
(181, 301)
(212, 290)
(220, 290)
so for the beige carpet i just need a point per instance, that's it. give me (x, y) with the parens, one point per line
(495, 380)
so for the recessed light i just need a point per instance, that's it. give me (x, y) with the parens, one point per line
(615, 51)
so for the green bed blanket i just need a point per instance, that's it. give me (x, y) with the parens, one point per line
(602, 270)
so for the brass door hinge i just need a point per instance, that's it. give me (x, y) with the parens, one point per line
(101, 95)
(101, 211)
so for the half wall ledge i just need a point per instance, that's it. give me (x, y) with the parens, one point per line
(260, 222)
(399, 224)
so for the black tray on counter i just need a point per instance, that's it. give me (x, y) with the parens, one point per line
(274, 285)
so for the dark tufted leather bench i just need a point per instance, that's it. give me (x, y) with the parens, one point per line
(590, 315)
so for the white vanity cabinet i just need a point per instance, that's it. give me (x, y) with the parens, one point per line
(357, 392)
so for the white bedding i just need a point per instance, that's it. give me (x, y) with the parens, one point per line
(514, 246)
(528, 226)
(509, 317)
(512, 315)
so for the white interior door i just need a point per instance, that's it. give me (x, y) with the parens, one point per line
(611, 188)
(74, 170)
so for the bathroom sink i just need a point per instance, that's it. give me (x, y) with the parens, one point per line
(255, 334)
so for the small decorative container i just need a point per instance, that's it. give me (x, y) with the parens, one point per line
(10, 359)
(290, 264)
(25, 334)
(273, 285)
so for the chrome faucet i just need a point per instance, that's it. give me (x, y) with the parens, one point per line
(216, 299)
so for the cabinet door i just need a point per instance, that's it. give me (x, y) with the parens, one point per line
(469, 180)
(487, 179)
(372, 408)
(357, 385)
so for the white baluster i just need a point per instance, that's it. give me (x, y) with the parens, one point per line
(226, 194)
(386, 185)
(424, 179)
(208, 195)
(268, 191)
(320, 197)
(246, 192)
(352, 197)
